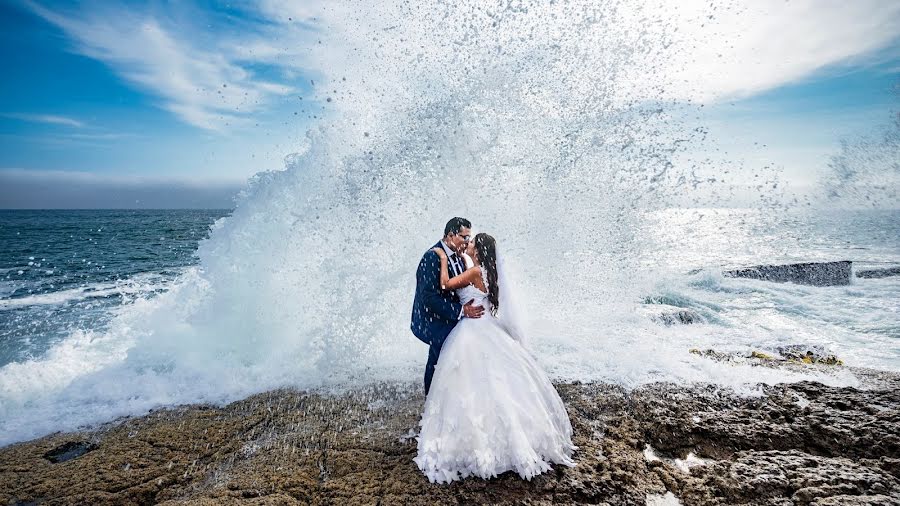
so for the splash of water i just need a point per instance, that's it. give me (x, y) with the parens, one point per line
(866, 171)
(539, 122)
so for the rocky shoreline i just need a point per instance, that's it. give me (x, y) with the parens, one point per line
(800, 443)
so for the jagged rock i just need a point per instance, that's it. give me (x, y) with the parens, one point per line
(878, 273)
(806, 416)
(770, 477)
(671, 315)
(713, 354)
(802, 443)
(814, 273)
(683, 316)
(808, 354)
(792, 353)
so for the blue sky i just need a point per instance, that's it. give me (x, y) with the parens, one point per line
(799, 126)
(64, 110)
(202, 93)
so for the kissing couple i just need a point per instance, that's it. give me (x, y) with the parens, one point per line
(489, 407)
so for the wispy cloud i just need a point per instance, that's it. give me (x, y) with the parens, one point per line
(69, 139)
(751, 47)
(51, 119)
(184, 68)
(209, 76)
(719, 52)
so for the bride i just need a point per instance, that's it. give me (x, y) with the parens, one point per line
(491, 408)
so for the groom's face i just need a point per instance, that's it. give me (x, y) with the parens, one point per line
(458, 241)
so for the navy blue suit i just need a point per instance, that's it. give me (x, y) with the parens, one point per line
(435, 312)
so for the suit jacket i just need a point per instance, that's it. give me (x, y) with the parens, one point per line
(435, 312)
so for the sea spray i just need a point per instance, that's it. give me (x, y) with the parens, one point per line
(551, 126)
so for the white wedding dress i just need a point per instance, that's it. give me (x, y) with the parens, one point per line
(491, 408)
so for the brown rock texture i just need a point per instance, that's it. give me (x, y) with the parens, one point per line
(802, 443)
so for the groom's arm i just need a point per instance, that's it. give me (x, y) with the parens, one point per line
(428, 277)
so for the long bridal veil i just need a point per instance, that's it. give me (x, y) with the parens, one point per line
(511, 313)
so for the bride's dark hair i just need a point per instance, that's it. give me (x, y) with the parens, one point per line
(486, 247)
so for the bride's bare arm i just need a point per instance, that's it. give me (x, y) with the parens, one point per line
(464, 279)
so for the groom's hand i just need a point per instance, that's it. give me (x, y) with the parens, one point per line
(472, 311)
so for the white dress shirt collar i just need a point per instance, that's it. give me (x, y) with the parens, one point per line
(447, 249)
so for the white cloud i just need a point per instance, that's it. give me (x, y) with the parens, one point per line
(288, 11)
(195, 81)
(46, 118)
(718, 52)
(70, 138)
(736, 52)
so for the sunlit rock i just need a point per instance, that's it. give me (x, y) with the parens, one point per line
(808, 354)
(798, 353)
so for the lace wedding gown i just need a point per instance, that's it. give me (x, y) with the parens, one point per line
(491, 408)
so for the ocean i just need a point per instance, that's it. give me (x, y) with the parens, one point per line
(67, 271)
(111, 313)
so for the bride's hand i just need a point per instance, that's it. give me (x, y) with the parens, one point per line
(440, 252)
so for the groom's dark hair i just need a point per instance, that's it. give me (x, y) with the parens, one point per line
(455, 225)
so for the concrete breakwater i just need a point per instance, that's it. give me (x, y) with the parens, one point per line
(878, 273)
(811, 273)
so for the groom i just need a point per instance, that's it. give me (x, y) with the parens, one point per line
(435, 311)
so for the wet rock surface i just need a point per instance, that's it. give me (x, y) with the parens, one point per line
(787, 357)
(808, 354)
(811, 273)
(678, 316)
(68, 451)
(802, 443)
(878, 273)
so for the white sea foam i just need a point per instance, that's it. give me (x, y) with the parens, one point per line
(667, 499)
(136, 285)
(7, 288)
(689, 461)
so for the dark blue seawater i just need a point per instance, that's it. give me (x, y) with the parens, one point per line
(65, 270)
